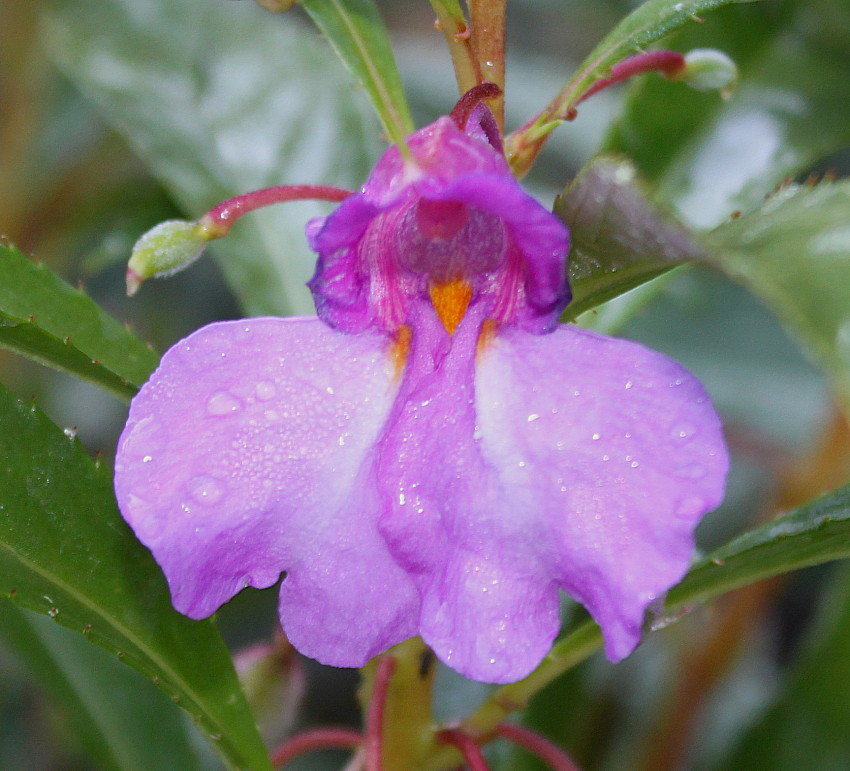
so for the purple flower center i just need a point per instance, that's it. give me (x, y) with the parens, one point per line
(440, 220)
(451, 215)
(447, 240)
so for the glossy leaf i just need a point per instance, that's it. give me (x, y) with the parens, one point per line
(66, 552)
(117, 717)
(813, 534)
(355, 30)
(794, 253)
(620, 239)
(711, 156)
(220, 98)
(45, 319)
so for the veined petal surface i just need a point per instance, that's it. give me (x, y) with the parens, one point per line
(245, 455)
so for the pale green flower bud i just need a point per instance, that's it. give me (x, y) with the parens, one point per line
(166, 249)
(707, 69)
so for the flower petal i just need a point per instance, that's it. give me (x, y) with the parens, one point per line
(245, 455)
(486, 617)
(489, 607)
(616, 449)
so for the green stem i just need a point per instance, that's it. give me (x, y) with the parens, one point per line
(406, 731)
(524, 144)
(452, 22)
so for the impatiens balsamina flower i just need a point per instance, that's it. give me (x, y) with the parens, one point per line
(433, 455)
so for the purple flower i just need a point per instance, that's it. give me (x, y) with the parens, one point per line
(433, 455)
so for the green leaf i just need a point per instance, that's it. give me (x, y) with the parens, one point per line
(66, 552)
(711, 156)
(119, 718)
(806, 727)
(794, 253)
(646, 24)
(220, 98)
(620, 240)
(45, 319)
(815, 533)
(355, 30)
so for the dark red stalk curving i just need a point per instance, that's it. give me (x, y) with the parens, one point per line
(222, 217)
(468, 748)
(553, 756)
(376, 714)
(316, 739)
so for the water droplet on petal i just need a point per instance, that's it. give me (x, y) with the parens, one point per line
(265, 390)
(206, 489)
(682, 431)
(147, 459)
(223, 403)
(534, 416)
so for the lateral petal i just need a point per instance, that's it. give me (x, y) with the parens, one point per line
(247, 454)
(618, 451)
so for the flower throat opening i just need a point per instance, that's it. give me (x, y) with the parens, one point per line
(451, 245)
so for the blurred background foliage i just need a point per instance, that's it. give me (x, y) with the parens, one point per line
(118, 114)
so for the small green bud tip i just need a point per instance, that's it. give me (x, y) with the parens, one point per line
(166, 249)
(707, 69)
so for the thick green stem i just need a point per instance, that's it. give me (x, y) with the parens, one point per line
(407, 731)
(452, 21)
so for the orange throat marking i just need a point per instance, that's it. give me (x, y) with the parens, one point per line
(485, 337)
(400, 348)
(450, 300)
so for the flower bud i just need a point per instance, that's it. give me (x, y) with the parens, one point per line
(164, 250)
(274, 683)
(707, 69)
